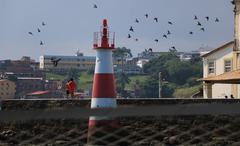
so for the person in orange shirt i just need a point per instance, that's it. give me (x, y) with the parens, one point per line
(72, 87)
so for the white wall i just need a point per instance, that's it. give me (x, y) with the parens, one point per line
(218, 90)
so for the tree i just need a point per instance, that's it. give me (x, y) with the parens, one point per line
(122, 53)
(122, 80)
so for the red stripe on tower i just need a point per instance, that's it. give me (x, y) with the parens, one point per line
(103, 86)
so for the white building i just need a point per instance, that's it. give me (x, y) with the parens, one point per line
(67, 62)
(215, 63)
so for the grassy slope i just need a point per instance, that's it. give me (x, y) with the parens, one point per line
(85, 81)
(53, 76)
(186, 92)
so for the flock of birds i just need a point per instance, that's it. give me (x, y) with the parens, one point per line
(166, 35)
(132, 30)
(38, 31)
(168, 32)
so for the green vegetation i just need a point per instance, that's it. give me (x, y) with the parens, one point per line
(54, 76)
(135, 80)
(176, 74)
(186, 92)
(85, 80)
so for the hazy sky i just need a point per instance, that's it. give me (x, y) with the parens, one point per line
(71, 23)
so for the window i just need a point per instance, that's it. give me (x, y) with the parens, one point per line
(211, 67)
(227, 65)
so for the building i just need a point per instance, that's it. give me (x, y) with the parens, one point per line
(7, 89)
(217, 62)
(29, 84)
(142, 62)
(67, 62)
(53, 85)
(229, 57)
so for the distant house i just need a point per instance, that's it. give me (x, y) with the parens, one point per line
(29, 84)
(7, 89)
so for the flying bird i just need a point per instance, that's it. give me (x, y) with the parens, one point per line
(156, 19)
(131, 29)
(38, 30)
(173, 47)
(216, 20)
(30, 33)
(43, 24)
(55, 61)
(190, 32)
(207, 17)
(137, 21)
(202, 29)
(169, 22)
(136, 39)
(129, 36)
(168, 32)
(156, 40)
(41, 43)
(95, 6)
(146, 15)
(195, 17)
(199, 24)
(165, 36)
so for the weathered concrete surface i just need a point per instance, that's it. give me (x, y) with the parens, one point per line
(64, 103)
(210, 130)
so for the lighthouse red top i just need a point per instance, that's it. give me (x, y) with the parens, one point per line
(107, 38)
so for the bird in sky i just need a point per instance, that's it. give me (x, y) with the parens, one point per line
(169, 22)
(137, 21)
(156, 40)
(131, 29)
(199, 24)
(43, 23)
(165, 36)
(190, 32)
(146, 15)
(41, 43)
(195, 17)
(55, 61)
(136, 39)
(95, 6)
(168, 32)
(156, 19)
(216, 20)
(38, 30)
(30, 33)
(129, 36)
(207, 17)
(202, 29)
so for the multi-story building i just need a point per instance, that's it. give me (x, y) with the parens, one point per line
(67, 62)
(7, 89)
(222, 65)
(215, 63)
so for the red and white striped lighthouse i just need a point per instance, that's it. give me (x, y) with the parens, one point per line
(103, 93)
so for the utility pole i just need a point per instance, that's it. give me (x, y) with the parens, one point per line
(160, 85)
